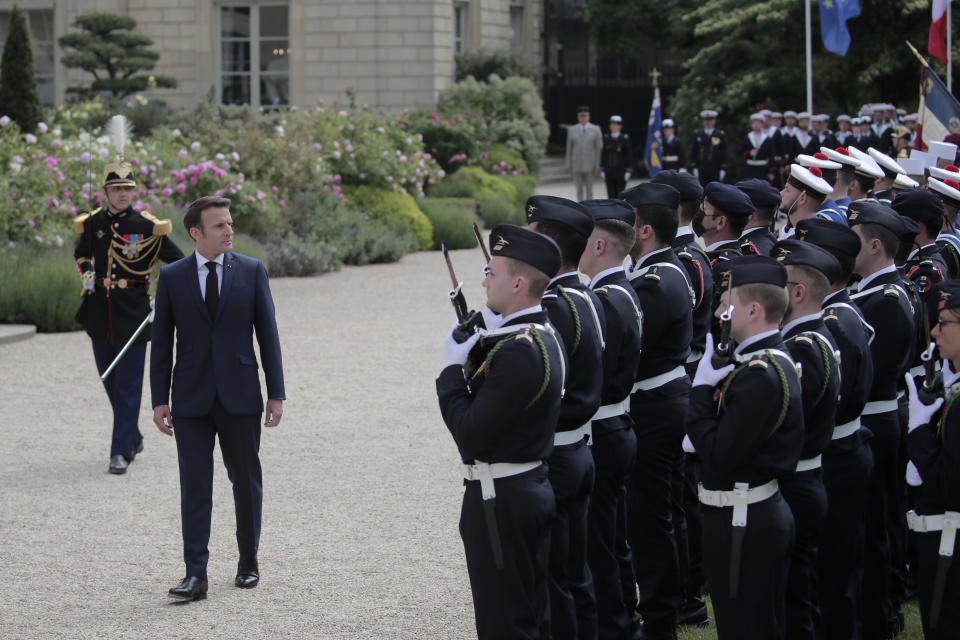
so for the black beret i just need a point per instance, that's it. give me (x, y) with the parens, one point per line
(686, 183)
(830, 235)
(610, 210)
(793, 251)
(728, 199)
(872, 212)
(947, 294)
(519, 243)
(573, 214)
(760, 192)
(921, 205)
(652, 193)
(753, 269)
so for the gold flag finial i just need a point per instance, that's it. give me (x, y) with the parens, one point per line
(655, 76)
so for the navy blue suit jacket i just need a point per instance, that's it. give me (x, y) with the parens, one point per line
(214, 357)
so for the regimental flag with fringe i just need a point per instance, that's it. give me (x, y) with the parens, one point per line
(654, 146)
(939, 110)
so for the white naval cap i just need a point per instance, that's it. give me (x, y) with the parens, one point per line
(667, 122)
(756, 116)
(841, 156)
(803, 115)
(821, 117)
(950, 172)
(903, 181)
(945, 150)
(901, 112)
(766, 113)
(808, 161)
(708, 113)
(843, 118)
(868, 166)
(616, 119)
(865, 119)
(857, 120)
(789, 113)
(810, 180)
(886, 163)
(776, 114)
(949, 190)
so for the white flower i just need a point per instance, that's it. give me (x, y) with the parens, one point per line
(30, 138)
(4, 121)
(175, 133)
(195, 146)
(42, 128)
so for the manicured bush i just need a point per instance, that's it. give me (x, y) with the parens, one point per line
(525, 184)
(452, 220)
(481, 63)
(18, 75)
(392, 207)
(497, 199)
(502, 160)
(495, 209)
(40, 286)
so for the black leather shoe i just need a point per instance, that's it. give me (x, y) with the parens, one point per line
(248, 575)
(192, 588)
(118, 464)
(135, 449)
(693, 613)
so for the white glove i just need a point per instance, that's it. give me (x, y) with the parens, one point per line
(696, 172)
(723, 174)
(456, 352)
(688, 445)
(913, 475)
(89, 281)
(491, 320)
(152, 311)
(626, 176)
(603, 174)
(920, 414)
(706, 374)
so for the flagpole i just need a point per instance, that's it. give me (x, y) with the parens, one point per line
(809, 58)
(949, 47)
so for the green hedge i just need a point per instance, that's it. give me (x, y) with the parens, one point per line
(452, 220)
(391, 206)
(40, 286)
(497, 198)
(526, 186)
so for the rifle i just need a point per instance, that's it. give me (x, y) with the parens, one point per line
(723, 352)
(932, 380)
(468, 322)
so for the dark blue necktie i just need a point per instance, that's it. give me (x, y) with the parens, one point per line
(213, 294)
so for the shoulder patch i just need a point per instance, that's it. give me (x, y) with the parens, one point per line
(160, 227)
(892, 290)
(762, 364)
(652, 276)
(685, 255)
(80, 220)
(600, 290)
(804, 339)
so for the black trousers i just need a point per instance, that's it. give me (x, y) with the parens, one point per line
(948, 624)
(510, 602)
(614, 453)
(847, 468)
(653, 494)
(616, 182)
(807, 499)
(758, 610)
(572, 598)
(239, 437)
(884, 518)
(690, 531)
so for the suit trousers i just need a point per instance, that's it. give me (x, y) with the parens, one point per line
(510, 602)
(124, 387)
(846, 476)
(583, 181)
(240, 445)
(614, 453)
(807, 499)
(572, 599)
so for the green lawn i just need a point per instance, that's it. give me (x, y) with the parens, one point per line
(911, 611)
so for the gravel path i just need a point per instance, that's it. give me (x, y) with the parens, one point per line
(361, 499)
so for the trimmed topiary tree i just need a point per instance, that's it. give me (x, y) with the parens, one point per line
(19, 96)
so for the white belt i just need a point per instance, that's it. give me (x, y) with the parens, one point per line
(947, 522)
(648, 384)
(809, 464)
(879, 406)
(486, 473)
(612, 410)
(562, 438)
(741, 496)
(694, 356)
(758, 163)
(846, 429)
(671, 158)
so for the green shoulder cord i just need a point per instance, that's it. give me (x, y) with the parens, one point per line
(826, 362)
(785, 405)
(942, 425)
(488, 361)
(576, 317)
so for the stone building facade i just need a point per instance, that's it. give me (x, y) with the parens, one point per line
(393, 54)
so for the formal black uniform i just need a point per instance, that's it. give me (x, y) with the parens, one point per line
(673, 157)
(759, 240)
(614, 441)
(116, 251)
(709, 151)
(949, 238)
(757, 165)
(504, 415)
(748, 431)
(616, 159)
(847, 460)
(887, 308)
(814, 349)
(575, 311)
(732, 202)
(803, 142)
(659, 406)
(933, 446)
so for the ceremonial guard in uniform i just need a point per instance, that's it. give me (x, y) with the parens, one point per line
(865, 176)
(802, 196)
(883, 188)
(614, 445)
(658, 405)
(822, 135)
(673, 157)
(924, 266)
(727, 209)
(949, 239)
(117, 249)
(503, 417)
(757, 149)
(709, 150)
(887, 308)
(575, 311)
(746, 426)
(809, 272)
(829, 209)
(803, 139)
(843, 130)
(757, 237)
(847, 460)
(616, 160)
(933, 447)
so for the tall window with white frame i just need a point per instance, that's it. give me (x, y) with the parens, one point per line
(516, 27)
(459, 27)
(40, 23)
(255, 55)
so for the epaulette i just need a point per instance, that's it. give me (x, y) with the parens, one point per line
(831, 314)
(686, 255)
(758, 363)
(892, 290)
(160, 227)
(804, 339)
(81, 219)
(652, 276)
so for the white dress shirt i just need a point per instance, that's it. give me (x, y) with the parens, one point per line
(202, 273)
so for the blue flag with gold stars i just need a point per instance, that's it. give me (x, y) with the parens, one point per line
(833, 23)
(654, 146)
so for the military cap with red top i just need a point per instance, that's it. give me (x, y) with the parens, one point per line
(841, 156)
(809, 180)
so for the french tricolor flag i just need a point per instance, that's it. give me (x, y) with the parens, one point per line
(937, 40)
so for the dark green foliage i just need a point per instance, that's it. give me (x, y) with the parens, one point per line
(19, 97)
(39, 286)
(393, 208)
(106, 48)
(452, 220)
(481, 63)
(497, 199)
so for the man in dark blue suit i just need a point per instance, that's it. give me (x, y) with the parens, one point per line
(215, 299)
